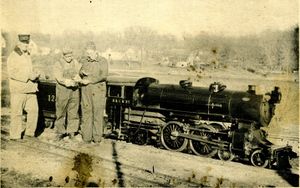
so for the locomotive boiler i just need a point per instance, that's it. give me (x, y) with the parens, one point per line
(213, 103)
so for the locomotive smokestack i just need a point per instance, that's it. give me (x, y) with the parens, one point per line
(252, 89)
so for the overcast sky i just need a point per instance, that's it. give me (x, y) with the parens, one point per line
(229, 17)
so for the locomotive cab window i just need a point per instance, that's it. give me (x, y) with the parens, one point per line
(120, 91)
(114, 91)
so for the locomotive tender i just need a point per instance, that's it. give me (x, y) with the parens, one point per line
(210, 121)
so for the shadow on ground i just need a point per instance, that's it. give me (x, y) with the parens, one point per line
(289, 176)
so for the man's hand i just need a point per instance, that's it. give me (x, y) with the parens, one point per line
(85, 81)
(82, 73)
(77, 79)
(34, 76)
(70, 83)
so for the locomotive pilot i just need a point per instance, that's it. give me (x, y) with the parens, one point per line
(66, 72)
(23, 88)
(94, 73)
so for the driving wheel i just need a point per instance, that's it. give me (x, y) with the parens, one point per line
(202, 148)
(170, 138)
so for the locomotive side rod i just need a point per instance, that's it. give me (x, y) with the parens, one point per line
(208, 131)
(199, 138)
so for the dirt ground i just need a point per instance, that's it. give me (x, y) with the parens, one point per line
(42, 162)
(113, 163)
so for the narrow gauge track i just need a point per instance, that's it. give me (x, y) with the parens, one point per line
(138, 175)
(130, 173)
(4, 131)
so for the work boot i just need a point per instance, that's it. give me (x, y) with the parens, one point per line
(72, 136)
(97, 141)
(29, 137)
(16, 140)
(59, 137)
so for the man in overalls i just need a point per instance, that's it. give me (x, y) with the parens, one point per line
(94, 73)
(66, 71)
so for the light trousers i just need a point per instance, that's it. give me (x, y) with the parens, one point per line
(28, 103)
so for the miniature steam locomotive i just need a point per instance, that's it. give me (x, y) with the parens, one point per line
(208, 121)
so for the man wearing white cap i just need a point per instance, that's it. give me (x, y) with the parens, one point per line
(23, 88)
(94, 73)
(66, 72)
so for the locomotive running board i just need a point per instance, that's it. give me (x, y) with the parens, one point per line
(199, 138)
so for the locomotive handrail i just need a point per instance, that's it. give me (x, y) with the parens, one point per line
(143, 125)
(121, 83)
(180, 111)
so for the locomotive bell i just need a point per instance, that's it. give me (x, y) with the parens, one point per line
(252, 89)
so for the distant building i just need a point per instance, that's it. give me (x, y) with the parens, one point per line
(113, 55)
(181, 64)
(199, 58)
(132, 55)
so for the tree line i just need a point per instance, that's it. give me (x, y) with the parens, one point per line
(275, 50)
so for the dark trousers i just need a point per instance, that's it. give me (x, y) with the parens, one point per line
(93, 102)
(67, 105)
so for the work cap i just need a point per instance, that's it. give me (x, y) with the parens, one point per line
(67, 50)
(90, 46)
(25, 38)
